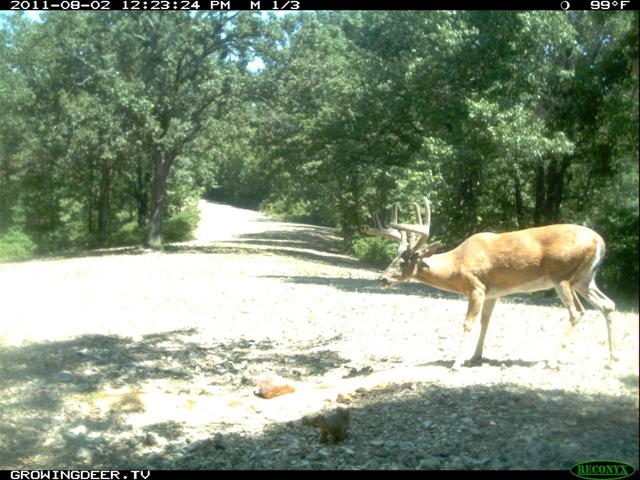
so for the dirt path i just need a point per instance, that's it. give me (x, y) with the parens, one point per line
(131, 358)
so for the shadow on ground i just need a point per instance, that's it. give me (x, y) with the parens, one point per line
(36, 379)
(314, 244)
(253, 246)
(362, 285)
(405, 426)
(311, 237)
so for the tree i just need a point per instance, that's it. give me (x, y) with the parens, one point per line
(120, 97)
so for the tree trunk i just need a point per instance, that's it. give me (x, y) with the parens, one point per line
(160, 174)
(468, 210)
(549, 191)
(537, 211)
(104, 204)
(141, 196)
(518, 196)
(142, 210)
(558, 191)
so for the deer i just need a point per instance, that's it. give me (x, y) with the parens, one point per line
(487, 266)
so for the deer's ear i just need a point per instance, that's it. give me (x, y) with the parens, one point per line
(430, 250)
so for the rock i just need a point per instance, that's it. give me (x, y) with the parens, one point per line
(151, 439)
(193, 446)
(84, 455)
(475, 463)
(49, 442)
(430, 463)
(455, 463)
(218, 441)
(78, 431)
(323, 452)
(266, 389)
(65, 377)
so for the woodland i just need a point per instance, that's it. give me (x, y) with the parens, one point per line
(115, 124)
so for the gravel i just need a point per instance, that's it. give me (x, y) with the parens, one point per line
(134, 359)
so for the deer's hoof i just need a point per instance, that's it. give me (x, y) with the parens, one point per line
(475, 361)
(552, 364)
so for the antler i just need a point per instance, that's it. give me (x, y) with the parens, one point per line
(421, 227)
(380, 231)
(397, 232)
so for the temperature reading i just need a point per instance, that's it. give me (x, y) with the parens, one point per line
(606, 4)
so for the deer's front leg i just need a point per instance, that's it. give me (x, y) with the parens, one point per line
(476, 302)
(487, 310)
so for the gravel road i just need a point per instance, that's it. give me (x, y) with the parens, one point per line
(135, 359)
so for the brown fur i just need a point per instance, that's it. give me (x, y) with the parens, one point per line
(333, 426)
(487, 266)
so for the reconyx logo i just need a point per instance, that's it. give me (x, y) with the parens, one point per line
(600, 469)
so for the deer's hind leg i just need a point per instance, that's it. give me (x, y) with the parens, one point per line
(570, 300)
(590, 292)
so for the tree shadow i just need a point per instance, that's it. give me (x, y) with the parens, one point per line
(402, 426)
(422, 425)
(484, 362)
(264, 247)
(36, 379)
(312, 237)
(362, 285)
(430, 426)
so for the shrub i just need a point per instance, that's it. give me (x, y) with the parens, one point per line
(128, 234)
(180, 226)
(376, 251)
(16, 245)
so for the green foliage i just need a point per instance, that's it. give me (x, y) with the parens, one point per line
(504, 119)
(375, 251)
(180, 226)
(16, 245)
(129, 234)
(293, 209)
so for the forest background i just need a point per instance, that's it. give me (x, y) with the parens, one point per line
(114, 124)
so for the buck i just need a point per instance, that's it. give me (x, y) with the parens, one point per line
(487, 266)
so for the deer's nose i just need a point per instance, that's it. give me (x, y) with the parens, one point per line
(384, 282)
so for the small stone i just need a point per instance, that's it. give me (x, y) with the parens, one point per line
(49, 442)
(83, 455)
(195, 445)
(218, 441)
(78, 431)
(323, 452)
(151, 438)
(430, 463)
(65, 377)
